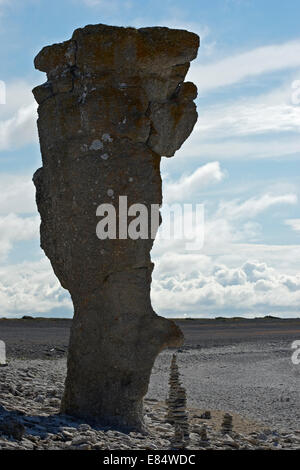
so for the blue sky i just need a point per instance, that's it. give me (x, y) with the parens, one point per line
(241, 162)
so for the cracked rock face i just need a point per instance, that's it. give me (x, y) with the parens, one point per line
(114, 103)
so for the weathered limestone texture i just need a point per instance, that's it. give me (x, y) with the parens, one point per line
(114, 103)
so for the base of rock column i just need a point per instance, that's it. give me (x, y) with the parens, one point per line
(115, 339)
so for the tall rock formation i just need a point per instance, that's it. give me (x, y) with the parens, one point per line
(114, 103)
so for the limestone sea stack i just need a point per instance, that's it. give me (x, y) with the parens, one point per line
(115, 101)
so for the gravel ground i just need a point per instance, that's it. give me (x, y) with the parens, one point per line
(258, 381)
(30, 393)
(240, 367)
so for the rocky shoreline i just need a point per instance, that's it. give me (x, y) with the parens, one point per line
(30, 393)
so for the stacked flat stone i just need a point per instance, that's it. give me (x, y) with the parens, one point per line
(227, 423)
(178, 442)
(203, 433)
(177, 414)
(206, 415)
(174, 384)
(180, 413)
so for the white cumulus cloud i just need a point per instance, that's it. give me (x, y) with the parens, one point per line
(18, 117)
(17, 194)
(253, 288)
(294, 224)
(14, 228)
(31, 288)
(204, 176)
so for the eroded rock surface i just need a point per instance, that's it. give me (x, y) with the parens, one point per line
(114, 103)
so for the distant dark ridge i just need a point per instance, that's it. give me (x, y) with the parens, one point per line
(182, 319)
(28, 317)
(224, 319)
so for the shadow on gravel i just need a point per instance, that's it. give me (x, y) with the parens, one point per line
(16, 425)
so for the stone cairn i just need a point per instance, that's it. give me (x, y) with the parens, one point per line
(176, 402)
(174, 384)
(203, 433)
(115, 101)
(178, 441)
(227, 425)
(206, 415)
